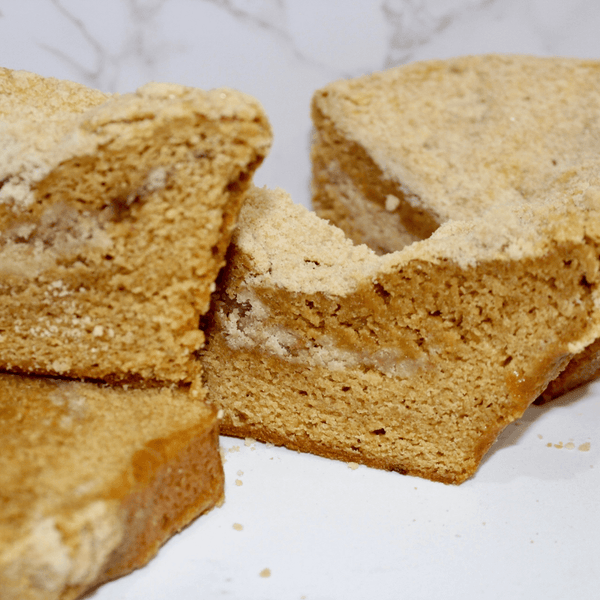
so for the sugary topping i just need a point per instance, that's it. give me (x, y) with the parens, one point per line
(45, 121)
(320, 258)
(466, 133)
(292, 248)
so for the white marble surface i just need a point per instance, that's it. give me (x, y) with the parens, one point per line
(527, 525)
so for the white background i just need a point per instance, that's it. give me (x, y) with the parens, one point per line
(527, 525)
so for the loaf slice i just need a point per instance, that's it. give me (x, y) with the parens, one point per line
(413, 361)
(432, 141)
(94, 479)
(400, 152)
(115, 213)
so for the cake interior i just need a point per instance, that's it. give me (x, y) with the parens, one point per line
(413, 361)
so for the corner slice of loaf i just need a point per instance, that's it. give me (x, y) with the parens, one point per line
(94, 479)
(398, 153)
(115, 214)
(414, 361)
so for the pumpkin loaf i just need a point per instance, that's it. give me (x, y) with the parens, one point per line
(94, 479)
(400, 152)
(413, 361)
(115, 214)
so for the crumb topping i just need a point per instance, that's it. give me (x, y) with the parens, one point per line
(463, 134)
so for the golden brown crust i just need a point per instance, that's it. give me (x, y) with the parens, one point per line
(114, 221)
(412, 361)
(95, 479)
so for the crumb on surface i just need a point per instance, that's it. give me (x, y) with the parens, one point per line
(265, 573)
(392, 202)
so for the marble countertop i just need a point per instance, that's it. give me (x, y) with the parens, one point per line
(302, 527)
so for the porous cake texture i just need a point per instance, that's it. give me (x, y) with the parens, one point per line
(413, 361)
(94, 479)
(115, 213)
(400, 152)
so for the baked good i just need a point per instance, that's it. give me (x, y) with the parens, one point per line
(432, 141)
(413, 361)
(400, 152)
(94, 479)
(115, 213)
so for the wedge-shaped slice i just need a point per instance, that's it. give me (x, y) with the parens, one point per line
(115, 213)
(398, 153)
(94, 479)
(413, 361)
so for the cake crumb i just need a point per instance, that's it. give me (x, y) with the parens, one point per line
(391, 203)
(239, 482)
(265, 573)
(585, 447)
(540, 436)
(234, 449)
(238, 526)
(249, 441)
(569, 445)
(559, 445)
(353, 466)
(240, 473)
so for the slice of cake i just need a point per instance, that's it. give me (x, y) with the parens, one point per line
(400, 152)
(94, 479)
(115, 213)
(413, 361)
